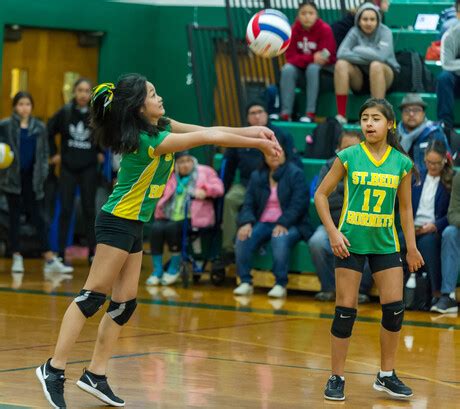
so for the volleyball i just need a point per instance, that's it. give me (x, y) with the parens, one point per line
(6, 155)
(268, 33)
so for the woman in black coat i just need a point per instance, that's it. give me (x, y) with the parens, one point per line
(275, 209)
(23, 182)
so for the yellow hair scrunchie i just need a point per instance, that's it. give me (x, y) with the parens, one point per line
(105, 89)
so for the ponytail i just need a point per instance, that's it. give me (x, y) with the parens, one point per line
(115, 114)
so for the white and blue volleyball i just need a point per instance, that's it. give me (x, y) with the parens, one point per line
(268, 33)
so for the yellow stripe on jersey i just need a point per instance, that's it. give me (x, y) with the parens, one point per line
(345, 197)
(372, 159)
(395, 235)
(130, 204)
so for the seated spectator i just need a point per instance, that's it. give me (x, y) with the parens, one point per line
(246, 161)
(430, 201)
(23, 182)
(312, 47)
(365, 60)
(450, 254)
(190, 181)
(275, 210)
(416, 131)
(320, 248)
(341, 27)
(448, 18)
(449, 80)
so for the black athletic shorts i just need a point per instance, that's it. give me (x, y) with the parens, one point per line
(117, 232)
(377, 262)
(366, 88)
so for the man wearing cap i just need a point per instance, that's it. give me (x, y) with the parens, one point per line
(416, 131)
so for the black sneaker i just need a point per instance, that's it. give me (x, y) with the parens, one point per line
(445, 305)
(52, 384)
(393, 386)
(334, 388)
(99, 388)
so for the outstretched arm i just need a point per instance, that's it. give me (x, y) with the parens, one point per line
(248, 131)
(338, 241)
(414, 258)
(176, 142)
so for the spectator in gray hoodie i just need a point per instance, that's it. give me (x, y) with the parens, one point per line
(449, 80)
(365, 60)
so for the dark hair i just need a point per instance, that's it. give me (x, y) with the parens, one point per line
(386, 109)
(349, 134)
(255, 103)
(457, 6)
(80, 81)
(447, 172)
(115, 114)
(20, 95)
(307, 3)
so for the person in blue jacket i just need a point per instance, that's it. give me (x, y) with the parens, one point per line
(417, 131)
(430, 202)
(275, 210)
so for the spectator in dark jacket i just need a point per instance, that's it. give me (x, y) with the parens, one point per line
(430, 202)
(246, 160)
(320, 248)
(275, 209)
(416, 131)
(78, 158)
(450, 254)
(312, 46)
(23, 182)
(365, 60)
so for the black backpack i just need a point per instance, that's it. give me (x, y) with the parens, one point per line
(324, 140)
(414, 75)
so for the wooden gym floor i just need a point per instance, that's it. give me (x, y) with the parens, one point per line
(202, 348)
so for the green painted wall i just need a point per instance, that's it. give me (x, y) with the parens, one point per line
(139, 38)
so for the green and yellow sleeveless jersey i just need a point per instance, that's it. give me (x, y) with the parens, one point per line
(368, 219)
(141, 180)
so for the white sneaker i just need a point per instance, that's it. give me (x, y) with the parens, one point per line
(153, 280)
(56, 266)
(18, 264)
(341, 119)
(274, 117)
(305, 119)
(278, 291)
(244, 289)
(169, 279)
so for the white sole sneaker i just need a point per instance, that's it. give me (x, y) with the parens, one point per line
(381, 388)
(331, 398)
(94, 392)
(39, 374)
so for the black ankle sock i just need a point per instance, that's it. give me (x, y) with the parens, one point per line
(53, 369)
(98, 377)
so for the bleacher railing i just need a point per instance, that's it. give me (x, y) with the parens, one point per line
(226, 73)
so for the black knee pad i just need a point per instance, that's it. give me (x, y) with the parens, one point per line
(89, 302)
(343, 322)
(121, 312)
(393, 315)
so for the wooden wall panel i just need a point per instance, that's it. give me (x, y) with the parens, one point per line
(46, 55)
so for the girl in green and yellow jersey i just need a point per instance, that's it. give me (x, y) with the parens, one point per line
(129, 119)
(375, 173)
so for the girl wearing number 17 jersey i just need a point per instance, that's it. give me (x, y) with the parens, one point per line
(375, 173)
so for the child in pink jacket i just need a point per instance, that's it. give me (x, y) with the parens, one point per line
(192, 181)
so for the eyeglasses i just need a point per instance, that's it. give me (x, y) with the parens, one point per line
(438, 163)
(413, 110)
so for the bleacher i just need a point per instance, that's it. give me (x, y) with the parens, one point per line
(401, 17)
